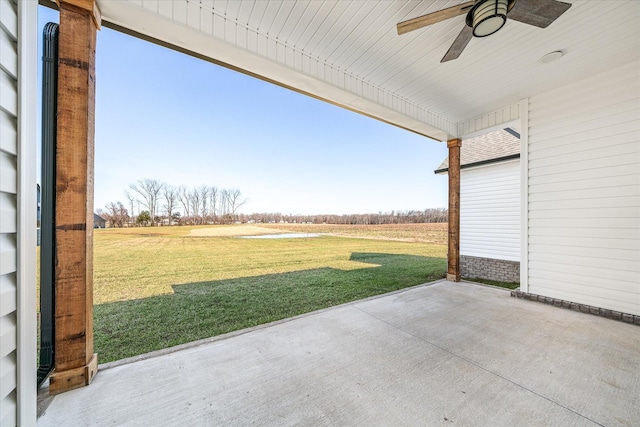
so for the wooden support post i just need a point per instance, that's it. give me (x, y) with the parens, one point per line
(75, 364)
(453, 256)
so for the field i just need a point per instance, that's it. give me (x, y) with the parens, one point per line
(160, 287)
(424, 233)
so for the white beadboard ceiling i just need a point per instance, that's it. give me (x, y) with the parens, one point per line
(348, 52)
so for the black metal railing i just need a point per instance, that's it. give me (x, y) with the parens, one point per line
(48, 178)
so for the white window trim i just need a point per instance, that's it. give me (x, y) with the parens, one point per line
(524, 195)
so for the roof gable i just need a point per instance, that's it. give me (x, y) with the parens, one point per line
(492, 147)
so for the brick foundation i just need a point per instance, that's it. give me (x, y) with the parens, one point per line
(583, 308)
(490, 269)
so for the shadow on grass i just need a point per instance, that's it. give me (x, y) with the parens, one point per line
(205, 309)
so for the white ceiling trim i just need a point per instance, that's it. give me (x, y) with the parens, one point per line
(196, 28)
(489, 122)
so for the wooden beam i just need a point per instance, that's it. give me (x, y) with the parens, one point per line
(88, 5)
(75, 364)
(453, 255)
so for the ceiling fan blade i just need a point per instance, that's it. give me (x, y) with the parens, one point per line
(539, 13)
(458, 44)
(432, 18)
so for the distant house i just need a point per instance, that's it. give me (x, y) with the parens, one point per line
(489, 206)
(98, 221)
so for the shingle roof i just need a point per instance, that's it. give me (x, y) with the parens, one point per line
(491, 146)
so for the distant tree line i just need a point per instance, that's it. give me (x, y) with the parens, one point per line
(159, 203)
(165, 204)
(393, 217)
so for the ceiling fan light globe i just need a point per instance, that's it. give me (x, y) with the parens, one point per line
(488, 26)
(489, 16)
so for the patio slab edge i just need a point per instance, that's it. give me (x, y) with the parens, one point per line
(204, 341)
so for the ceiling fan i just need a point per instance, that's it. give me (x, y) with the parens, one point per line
(485, 17)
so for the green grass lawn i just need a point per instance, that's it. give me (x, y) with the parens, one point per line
(156, 288)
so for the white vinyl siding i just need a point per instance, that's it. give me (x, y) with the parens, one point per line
(18, 47)
(8, 211)
(490, 211)
(584, 191)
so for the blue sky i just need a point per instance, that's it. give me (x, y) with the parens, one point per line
(165, 115)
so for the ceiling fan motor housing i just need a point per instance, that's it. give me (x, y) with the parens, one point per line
(488, 16)
(485, 17)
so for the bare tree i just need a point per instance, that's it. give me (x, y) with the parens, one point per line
(183, 195)
(116, 214)
(194, 200)
(204, 198)
(213, 201)
(170, 195)
(230, 202)
(224, 205)
(149, 190)
(235, 200)
(131, 198)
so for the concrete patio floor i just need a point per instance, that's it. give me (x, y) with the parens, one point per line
(439, 354)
